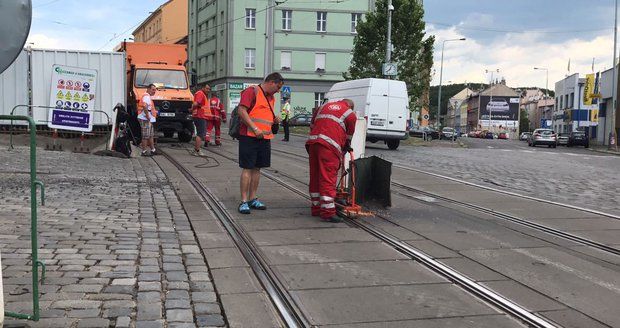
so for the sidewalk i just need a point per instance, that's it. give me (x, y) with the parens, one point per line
(603, 149)
(116, 241)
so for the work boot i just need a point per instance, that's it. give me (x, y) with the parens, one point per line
(332, 219)
(244, 208)
(218, 143)
(256, 204)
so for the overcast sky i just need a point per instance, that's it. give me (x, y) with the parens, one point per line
(513, 36)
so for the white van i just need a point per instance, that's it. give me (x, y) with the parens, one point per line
(384, 104)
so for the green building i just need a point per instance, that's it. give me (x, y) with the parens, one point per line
(235, 43)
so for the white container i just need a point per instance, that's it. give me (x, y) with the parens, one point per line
(14, 88)
(110, 68)
(384, 103)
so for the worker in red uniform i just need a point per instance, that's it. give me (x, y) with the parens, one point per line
(218, 115)
(330, 137)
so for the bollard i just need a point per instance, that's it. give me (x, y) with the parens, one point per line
(55, 145)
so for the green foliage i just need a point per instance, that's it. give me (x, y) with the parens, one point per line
(524, 121)
(412, 51)
(447, 92)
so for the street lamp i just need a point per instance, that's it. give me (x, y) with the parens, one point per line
(441, 77)
(546, 89)
(612, 133)
(547, 83)
(491, 98)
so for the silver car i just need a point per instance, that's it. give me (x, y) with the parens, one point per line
(562, 139)
(543, 137)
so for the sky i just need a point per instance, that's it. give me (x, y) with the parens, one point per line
(512, 36)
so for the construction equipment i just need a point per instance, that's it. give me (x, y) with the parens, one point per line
(346, 198)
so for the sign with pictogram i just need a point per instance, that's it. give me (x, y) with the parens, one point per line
(72, 94)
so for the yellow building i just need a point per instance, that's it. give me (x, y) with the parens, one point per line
(167, 24)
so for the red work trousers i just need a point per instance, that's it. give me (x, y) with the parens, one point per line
(218, 133)
(324, 165)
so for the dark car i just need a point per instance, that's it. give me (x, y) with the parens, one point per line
(578, 138)
(525, 136)
(489, 135)
(448, 133)
(300, 120)
(425, 132)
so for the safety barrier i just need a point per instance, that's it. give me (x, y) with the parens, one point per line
(55, 133)
(34, 183)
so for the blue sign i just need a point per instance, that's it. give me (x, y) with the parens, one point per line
(286, 89)
(71, 120)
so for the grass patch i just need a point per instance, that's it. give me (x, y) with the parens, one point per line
(305, 130)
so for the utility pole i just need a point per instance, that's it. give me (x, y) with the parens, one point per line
(441, 79)
(613, 142)
(388, 46)
(269, 34)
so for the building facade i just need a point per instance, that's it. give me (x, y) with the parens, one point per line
(233, 44)
(495, 108)
(457, 111)
(571, 112)
(167, 24)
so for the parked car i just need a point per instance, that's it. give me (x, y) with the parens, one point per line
(543, 137)
(578, 138)
(562, 139)
(300, 120)
(448, 133)
(503, 135)
(525, 136)
(424, 132)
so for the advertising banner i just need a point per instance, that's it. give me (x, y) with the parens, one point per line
(503, 111)
(72, 94)
(588, 90)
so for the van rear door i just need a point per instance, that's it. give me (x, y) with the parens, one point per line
(398, 110)
(378, 108)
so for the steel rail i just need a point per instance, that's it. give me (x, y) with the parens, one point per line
(513, 219)
(279, 296)
(457, 278)
(500, 215)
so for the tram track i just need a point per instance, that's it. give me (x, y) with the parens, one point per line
(497, 214)
(288, 310)
(487, 295)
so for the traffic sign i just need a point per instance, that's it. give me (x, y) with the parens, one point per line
(426, 117)
(286, 89)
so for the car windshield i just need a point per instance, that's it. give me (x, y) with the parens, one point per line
(579, 134)
(545, 132)
(167, 79)
(448, 129)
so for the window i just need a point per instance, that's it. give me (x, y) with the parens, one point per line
(287, 20)
(250, 18)
(319, 61)
(285, 60)
(318, 99)
(250, 58)
(321, 21)
(355, 18)
(572, 100)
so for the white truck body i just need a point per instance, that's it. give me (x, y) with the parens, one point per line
(383, 103)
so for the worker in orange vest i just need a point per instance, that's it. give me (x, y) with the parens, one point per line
(147, 115)
(218, 115)
(257, 117)
(331, 132)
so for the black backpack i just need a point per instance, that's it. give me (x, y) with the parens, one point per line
(234, 123)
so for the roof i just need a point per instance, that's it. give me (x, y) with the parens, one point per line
(463, 94)
(499, 90)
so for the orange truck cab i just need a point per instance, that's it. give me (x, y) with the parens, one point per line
(163, 66)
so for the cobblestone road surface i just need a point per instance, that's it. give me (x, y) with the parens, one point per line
(116, 241)
(569, 175)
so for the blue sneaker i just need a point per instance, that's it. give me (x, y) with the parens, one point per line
(244, 208)
(256, 204)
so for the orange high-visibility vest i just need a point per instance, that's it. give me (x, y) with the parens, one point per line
(261, 115)
(142, 106)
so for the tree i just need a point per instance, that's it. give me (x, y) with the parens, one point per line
(524, 122)
(412, 51)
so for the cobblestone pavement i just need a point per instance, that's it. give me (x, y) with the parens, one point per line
(569, 175)
(116, 241)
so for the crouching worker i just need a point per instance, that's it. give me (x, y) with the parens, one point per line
(330, 137)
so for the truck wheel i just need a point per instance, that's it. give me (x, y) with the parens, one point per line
(168, 133)
(393, 144)
(184, 136)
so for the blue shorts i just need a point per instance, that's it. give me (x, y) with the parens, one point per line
(201, 127)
